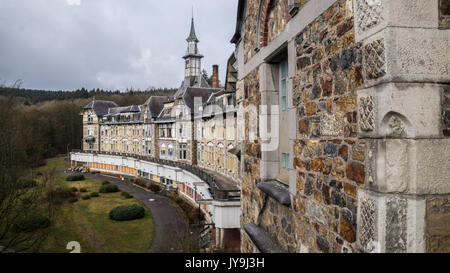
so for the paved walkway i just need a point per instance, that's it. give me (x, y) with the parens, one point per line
(168, 221)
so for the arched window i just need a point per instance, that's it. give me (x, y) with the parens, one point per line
(162, 151)
(231, 159)
(220, 155)
(170, 151)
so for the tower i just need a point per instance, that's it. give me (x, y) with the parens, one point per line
(192, 57)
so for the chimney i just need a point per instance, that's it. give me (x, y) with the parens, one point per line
(215, 76)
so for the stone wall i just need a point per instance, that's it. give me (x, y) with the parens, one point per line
(369, 155)
(328, 156)
(438, 224)
(444, 14)
(446, 111)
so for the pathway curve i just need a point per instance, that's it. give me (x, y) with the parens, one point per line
(168, 221)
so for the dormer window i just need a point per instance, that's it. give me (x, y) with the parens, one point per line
(90, 119)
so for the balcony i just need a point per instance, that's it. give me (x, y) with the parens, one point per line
(89, 139)
(221, 188)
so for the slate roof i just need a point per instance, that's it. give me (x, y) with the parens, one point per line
(100, 107)
(125, 109)
(192, 36)
(191, 81)
(166, 115)
(156, 104)
(191, 93)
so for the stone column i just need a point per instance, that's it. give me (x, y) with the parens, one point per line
(405, 67)
(269, 168)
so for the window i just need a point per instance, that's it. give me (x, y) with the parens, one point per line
(170, 151)
(285, 160)
(283, 74)
(183, 151)
(162, 151)
(90, 131)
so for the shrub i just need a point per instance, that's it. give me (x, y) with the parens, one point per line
(95, 194)
(73, 200)
(83, 190)
(126, 195)
(31, 223)
(106, 182)
(108, 188)
(125, 213)
(86, 197)
(141, 182)
(75, 177)
(154, 187)
(192, 213)
(74, 189)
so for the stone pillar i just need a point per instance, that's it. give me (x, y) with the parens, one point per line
(405, 68)
(269, 112)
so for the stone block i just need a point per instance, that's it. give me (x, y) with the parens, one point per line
(390, 223)
(269, 98)
(292, 121)
(406, 55)
(408, 166)
(267, 80)
(293, 182)
(332, 125)
(400, 110)
(269, 170)
(372, 16)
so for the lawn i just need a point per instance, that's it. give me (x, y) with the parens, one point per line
(88, 223)
(54, 164)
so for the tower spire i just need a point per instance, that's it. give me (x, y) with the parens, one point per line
(192, 37)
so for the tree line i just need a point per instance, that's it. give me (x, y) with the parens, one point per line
(31, 132)
(33, 96)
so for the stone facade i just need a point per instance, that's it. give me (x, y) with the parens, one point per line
(437, 219)
(444, 14)
(367, 113)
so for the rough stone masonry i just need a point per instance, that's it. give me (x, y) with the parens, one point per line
(367, 124)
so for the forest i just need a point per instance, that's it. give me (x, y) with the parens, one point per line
(39, 124)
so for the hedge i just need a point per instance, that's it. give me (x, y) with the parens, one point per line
(125, 213)
(83, 190)
(73, 200)
(95, 194)
(31, 223)
(106, 182)
(108, 188)
(75, 177)
(86, 197)
(126, 195)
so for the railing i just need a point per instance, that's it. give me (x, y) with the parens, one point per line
(216, 191)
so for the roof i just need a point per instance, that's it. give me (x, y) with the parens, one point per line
(100, 107)
(239, 21)
(125, 109)
(166, 115)
(191, 93)
(191, 81)
(156, 104)
(192, 37)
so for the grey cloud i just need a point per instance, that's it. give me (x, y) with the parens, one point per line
(109, 44)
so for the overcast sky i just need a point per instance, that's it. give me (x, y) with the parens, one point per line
(109, 44)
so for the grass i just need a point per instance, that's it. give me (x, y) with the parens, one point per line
(87, 221)
(54, 164)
